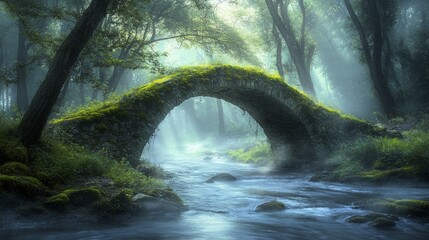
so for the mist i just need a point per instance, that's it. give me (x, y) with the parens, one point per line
(221, 119)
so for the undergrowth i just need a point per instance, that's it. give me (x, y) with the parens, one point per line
(380, 159)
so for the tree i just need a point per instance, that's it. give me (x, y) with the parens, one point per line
(221, 118)
(374, 60)
(300, 55)
(36, 117)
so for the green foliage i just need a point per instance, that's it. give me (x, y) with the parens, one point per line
(123, 175)
(404, 207)
(258, 154)
(379, 159)
(14, 168)
(22, 185)
(59, 163)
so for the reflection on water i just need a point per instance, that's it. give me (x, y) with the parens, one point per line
(224, 210)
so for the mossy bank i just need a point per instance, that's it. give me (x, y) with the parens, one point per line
(61, 177)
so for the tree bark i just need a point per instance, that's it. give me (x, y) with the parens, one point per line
(295, 51)
(374, 61)
(21, 70)
(102, 77)
(380, 82)
(220, 118)
(35, 119)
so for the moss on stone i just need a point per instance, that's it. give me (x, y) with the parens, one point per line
(166, 194)
(384, 175)
(11, 150)
(270, 206)
(120, 204)
(84, 196)
(58, 202)
(406, 207)
(383, 223)
(22, 185)
(184, 79)
(14, 168)
(358, 219)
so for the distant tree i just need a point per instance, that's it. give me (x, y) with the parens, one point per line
(36, 117)
(300, 51)
(373, 54)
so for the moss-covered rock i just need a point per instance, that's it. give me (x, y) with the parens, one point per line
(405, 208)
(22, 185)
(383, 223)
(82, 197)
(119, 205)
(11, 150)
(222, 177)
(58, 202)
(166, 194)
(358, 219)
(14, 169)
(270, 206)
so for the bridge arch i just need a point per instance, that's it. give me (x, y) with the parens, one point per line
(298, 129)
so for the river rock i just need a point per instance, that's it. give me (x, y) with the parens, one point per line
(270, 206)
(207, 158)
(382, 223)
(225, 177)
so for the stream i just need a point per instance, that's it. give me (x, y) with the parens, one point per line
(225, 210)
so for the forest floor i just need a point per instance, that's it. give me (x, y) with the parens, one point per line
(58, 177)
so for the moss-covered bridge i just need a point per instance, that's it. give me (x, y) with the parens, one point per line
(298, 129)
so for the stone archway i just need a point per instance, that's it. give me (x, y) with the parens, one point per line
(298, 129)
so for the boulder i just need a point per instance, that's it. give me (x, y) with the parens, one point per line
(225, 177)
(270, 206)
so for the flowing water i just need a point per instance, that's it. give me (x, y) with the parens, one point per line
(225, 210)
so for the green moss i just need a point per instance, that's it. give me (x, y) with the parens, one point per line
(22, 185)
(257, 154)
(123, 175)
(375, 159)
(406, 207)
(11, 150)
(57, 163)
(58, 202)
(14, 168)
(120, 204)
(184, 79)
(358, 219)
(81, 197)
(383, 223)
(270, 206)
(166, 194)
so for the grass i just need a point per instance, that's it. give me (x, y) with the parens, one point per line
(260, 153)
(381, 159)
(57, 164)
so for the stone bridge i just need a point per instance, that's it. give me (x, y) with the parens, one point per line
(299, 130)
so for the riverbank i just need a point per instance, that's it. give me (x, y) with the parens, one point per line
(58, 177)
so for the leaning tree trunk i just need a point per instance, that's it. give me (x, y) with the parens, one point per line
(21, 70)
(35, 119)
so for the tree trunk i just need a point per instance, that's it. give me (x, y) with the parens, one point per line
(35, 119)
(81, 93)
(374, 61)
(220, 118)
(62, 97)
(116, 77)
(21, 71)
(380, 82)
(295, 51)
